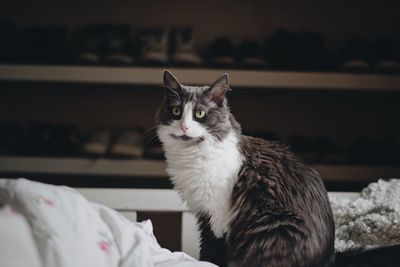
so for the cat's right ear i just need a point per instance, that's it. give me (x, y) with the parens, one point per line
(218, 89)
(170, 82)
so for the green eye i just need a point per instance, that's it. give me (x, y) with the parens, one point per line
(176, 111)
(200, 114)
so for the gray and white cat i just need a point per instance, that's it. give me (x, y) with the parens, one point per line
(257, 204)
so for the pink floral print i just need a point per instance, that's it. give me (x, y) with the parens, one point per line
(48, 202)
(105, 242)
(104, 246)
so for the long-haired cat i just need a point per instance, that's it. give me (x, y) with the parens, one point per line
(257, 204)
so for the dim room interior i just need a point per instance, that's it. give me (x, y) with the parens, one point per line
(81, 81)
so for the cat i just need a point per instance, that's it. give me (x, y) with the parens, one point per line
(257, 204)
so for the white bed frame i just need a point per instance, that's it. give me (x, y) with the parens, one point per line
(129, 201)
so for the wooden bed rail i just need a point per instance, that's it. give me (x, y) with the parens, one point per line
(130, 201)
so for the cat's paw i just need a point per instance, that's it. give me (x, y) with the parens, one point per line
(219, 226)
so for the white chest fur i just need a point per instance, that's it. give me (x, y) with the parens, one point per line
(205, 174)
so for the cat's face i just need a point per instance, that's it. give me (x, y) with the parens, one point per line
(192, 114)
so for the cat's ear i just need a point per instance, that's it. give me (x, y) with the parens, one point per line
(218, 89)
(170, 82)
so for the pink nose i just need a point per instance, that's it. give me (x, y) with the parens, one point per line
(184, 127)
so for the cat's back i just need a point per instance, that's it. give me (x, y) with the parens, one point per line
(284, 176)
(283, 210)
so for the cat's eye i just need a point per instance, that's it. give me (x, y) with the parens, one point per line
(200, 114)
(176, 111)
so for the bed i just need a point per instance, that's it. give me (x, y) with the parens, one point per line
(130, 201)
(368, 218)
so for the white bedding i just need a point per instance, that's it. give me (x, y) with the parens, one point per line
(369, 220)
(54, 226)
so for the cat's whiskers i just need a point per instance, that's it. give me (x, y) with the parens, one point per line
(150, 137)
(150, 141)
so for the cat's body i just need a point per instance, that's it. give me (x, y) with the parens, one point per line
(257, 203)
(281, 209)
(205, 175)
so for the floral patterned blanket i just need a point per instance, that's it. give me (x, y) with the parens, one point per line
(46, 226)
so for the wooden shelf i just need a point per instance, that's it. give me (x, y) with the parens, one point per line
(356, 173)
(238, 78)
(83, 166)
(156, 168)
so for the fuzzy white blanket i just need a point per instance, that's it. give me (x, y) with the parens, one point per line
(369, 220)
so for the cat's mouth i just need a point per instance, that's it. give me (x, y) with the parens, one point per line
(186, 138)
(181, 137)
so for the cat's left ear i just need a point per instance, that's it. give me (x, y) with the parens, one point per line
(218, 89)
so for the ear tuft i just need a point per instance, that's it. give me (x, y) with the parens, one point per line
(219, 88)
(170, 81)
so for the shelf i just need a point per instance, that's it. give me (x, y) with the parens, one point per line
(356, 173)
(156, 168)
(238, 78)
(83, 166)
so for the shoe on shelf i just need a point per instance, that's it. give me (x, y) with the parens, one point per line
(90, 44)
(385, 56)
(154, 47)
(183, 48)
(250, 55)
(128, 144)
(97, 142)
(355, 56)
(221, 53)
(118, 47)
(85, 45)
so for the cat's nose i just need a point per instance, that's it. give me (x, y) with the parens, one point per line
(184, 128)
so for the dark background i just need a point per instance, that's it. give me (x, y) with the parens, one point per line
(351, 135)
